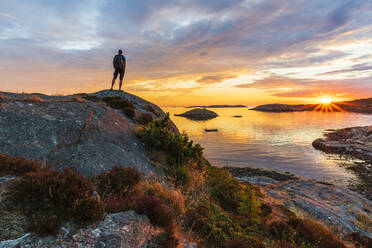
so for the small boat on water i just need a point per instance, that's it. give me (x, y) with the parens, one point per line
(211, 130)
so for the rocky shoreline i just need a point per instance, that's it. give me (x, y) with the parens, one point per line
(352, 143)
(343, 210)
(355, 141)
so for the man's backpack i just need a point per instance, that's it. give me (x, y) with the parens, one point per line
(118, 61)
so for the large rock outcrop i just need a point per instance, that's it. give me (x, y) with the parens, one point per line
(67, 131)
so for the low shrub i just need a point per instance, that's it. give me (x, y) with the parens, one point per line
(282, 231)
(171, 197)
(314, 233)
(158, 135)
(304, 233)
(144, 118)
(249, 208)
(57, 195)
(165, 239)
(115, 204)
(18, 166)
(234, 196)
(44, 225)
(117, 181)
(181, 177)
(224, 188)
(158, 213)
(212, 223)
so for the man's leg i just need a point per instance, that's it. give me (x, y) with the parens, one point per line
(121, 79)
(113, 82)
(114, 78)
(121, 82)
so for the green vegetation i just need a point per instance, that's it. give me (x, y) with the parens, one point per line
(179, 149)
(216, 200)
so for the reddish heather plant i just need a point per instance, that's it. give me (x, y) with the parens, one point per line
(166, 238)
(44, 225)
(63, 195)
(158, 213)
(118, 181)
(18, 166)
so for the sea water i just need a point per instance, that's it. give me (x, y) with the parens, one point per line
(274, 141)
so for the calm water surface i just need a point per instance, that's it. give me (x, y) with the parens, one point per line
(275, 141)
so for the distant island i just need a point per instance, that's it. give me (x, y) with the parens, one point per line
(356, 106)
(218, 106)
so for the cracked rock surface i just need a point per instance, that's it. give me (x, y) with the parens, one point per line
(64, 132)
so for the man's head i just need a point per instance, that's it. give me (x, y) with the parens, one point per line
(120, 51)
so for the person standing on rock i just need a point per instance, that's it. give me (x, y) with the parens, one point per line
(120, 63)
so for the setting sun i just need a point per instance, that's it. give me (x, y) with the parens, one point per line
(325, 100)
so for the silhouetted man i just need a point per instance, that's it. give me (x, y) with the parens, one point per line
(120, 64)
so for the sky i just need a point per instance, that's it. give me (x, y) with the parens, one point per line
(189, 52)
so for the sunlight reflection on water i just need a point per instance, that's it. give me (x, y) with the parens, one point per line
(275, 141)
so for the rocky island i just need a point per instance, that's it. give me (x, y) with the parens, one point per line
(356, 106)
(110, 169)
(199, 114)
